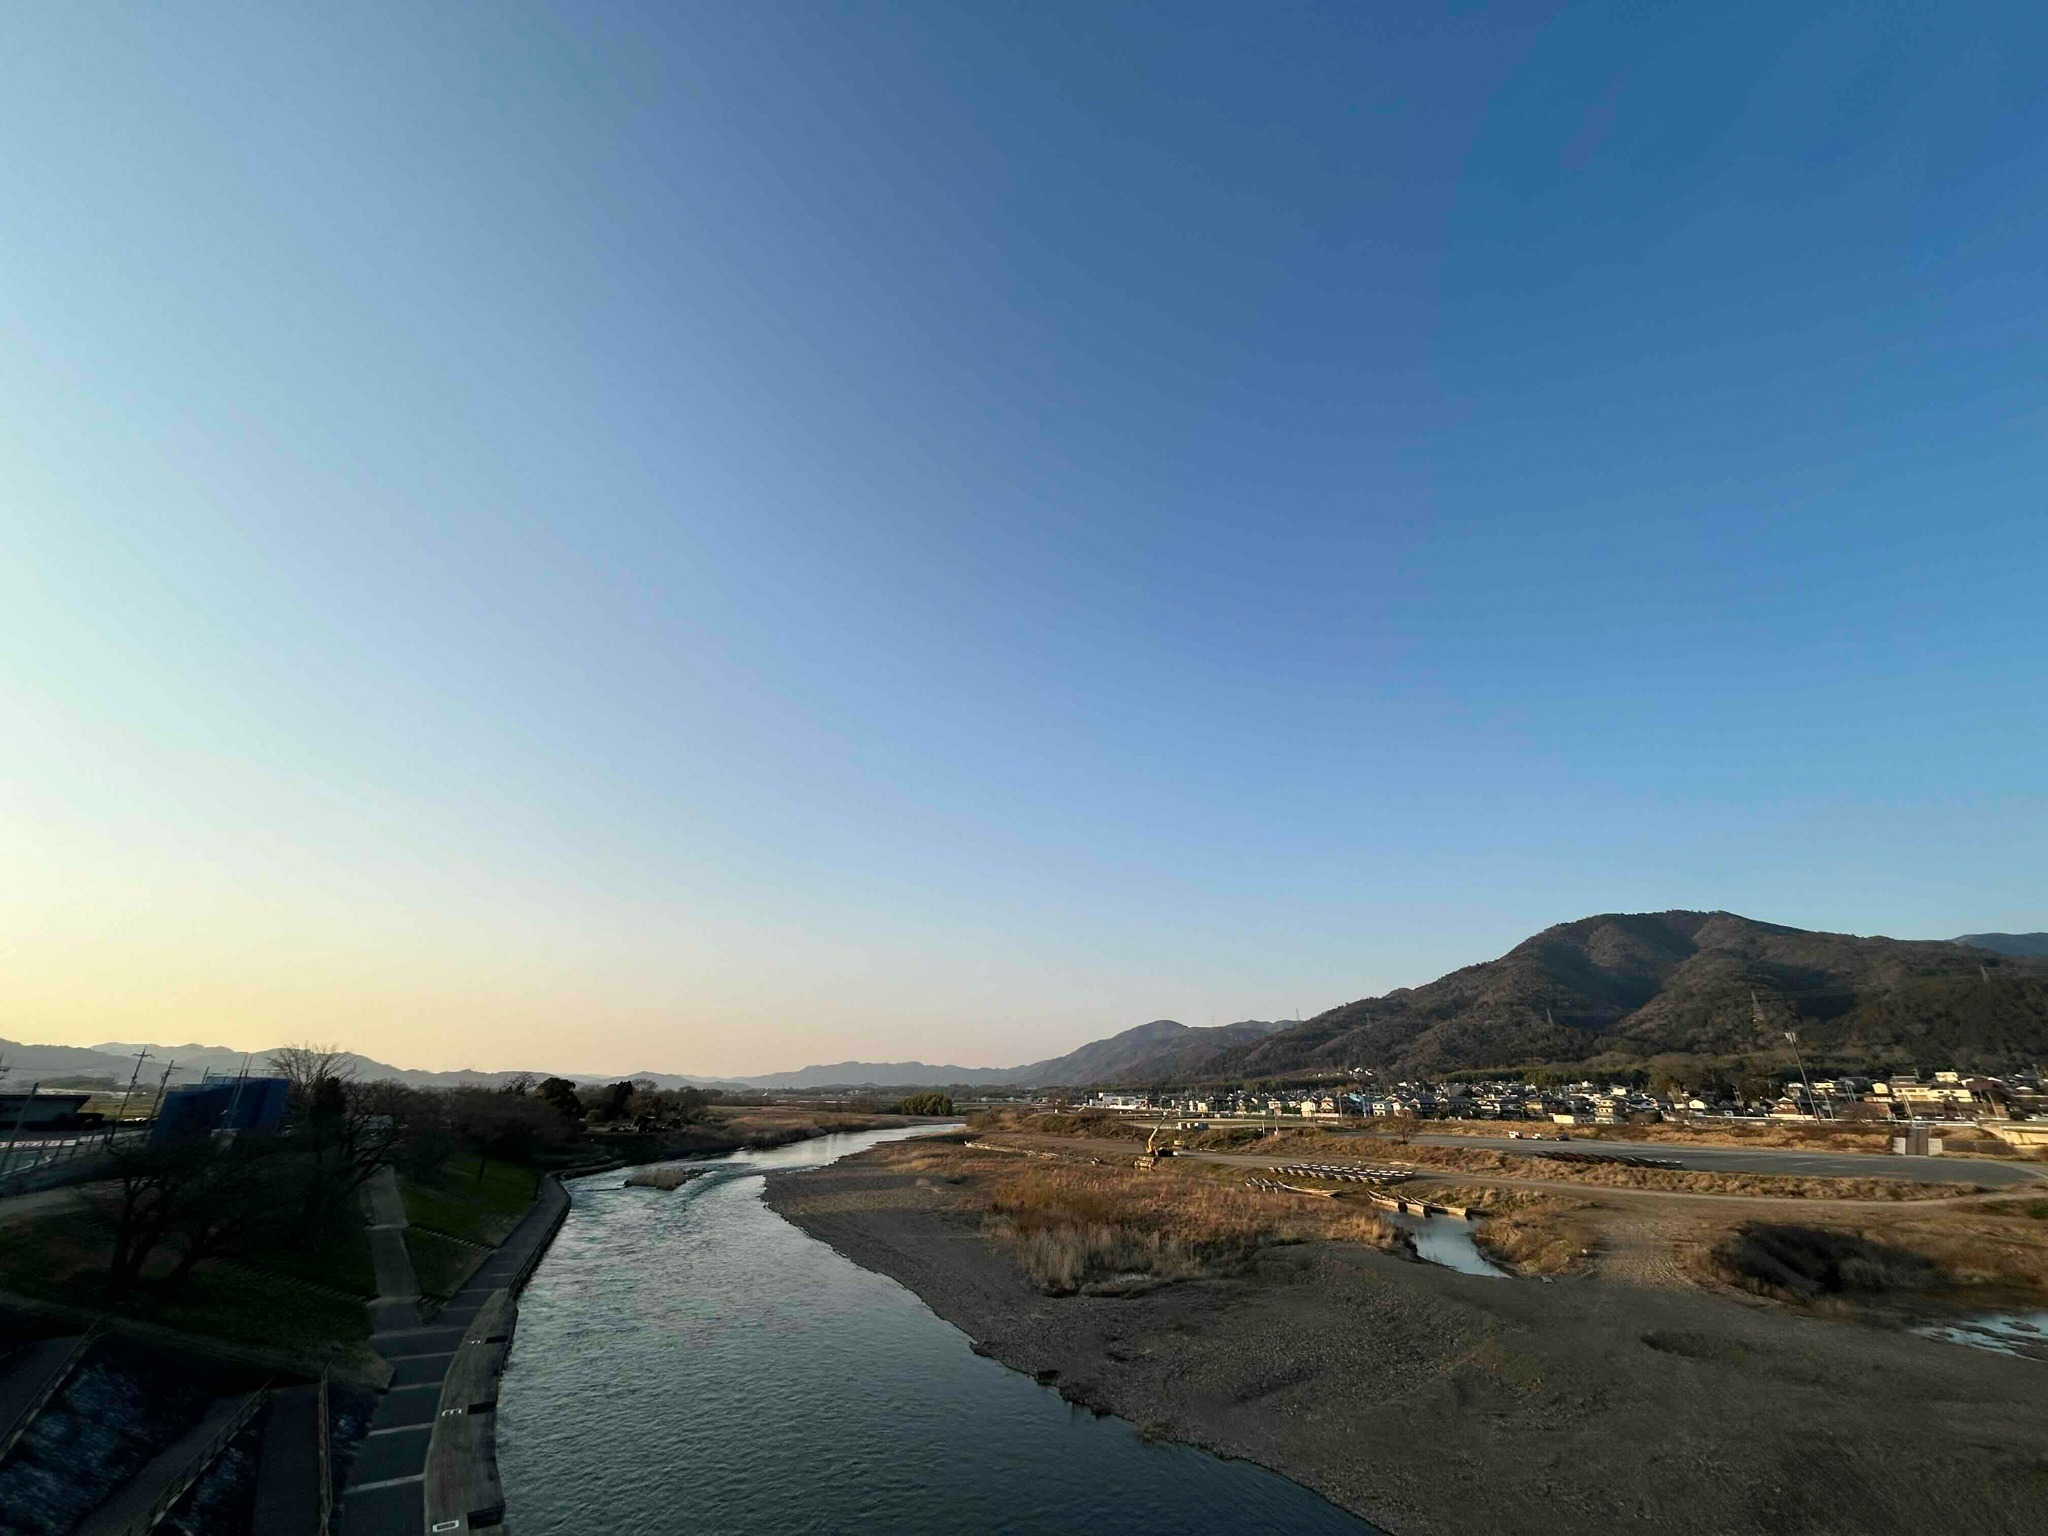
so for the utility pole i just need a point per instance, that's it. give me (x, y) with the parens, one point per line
(1812, 1104)
(162, 1083)
(235, 1101)
(133, 1077)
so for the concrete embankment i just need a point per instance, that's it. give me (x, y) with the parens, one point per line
(429, 1459)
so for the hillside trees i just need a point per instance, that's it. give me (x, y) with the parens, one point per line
(560, 1095)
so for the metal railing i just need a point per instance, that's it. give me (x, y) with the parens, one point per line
(49, 1154)
(177, 1487)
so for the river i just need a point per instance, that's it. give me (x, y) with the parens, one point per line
(691, 1362)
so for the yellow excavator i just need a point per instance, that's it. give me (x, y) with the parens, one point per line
(1153, 1151)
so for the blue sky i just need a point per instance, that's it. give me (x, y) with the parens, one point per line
(707, 537)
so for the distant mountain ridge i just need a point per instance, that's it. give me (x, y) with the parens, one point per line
(1626, 987)
(1149, 1053)
(1157, 1052)
(2021, 946)
(1611, 989)
(882, 1074)
(26, 1063)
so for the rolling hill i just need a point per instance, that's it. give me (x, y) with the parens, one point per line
(881, 1074)
(1161, 1051)
(1626, 987)
(2022, 946)
(26, 1063)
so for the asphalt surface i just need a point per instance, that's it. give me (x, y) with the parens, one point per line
(1780, 1160)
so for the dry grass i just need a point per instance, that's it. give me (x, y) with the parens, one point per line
(1109, 1230)
(1994, 1248)
(1539, 1240)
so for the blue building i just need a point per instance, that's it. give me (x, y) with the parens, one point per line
(253, 1104)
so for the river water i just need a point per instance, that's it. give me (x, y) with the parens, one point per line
(2009, 1333)
(1447, 1240)
(690, 1362)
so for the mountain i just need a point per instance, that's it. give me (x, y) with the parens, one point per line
(190, 1062)
(883, 1074)
(1159, 1052)
(1149, 1053)
(2022, 946)
(1625, 987)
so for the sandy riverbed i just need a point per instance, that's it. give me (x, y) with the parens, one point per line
(1430, 1401)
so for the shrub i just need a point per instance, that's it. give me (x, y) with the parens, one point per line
(1806, 1262)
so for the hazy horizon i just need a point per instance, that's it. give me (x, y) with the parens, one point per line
(722, 538)
(851, 1053)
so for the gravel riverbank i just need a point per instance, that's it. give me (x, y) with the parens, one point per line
(1429, 1401)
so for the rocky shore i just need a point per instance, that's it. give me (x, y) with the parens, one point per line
(1429, 1401)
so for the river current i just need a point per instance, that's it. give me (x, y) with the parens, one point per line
(688, 1361)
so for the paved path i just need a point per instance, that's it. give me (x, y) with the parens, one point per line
(43, 1202)
(1423, 1173)
(398, 1287)
(288, 1472)
(386, 1490)
(1790, 1161)
(154, 1489)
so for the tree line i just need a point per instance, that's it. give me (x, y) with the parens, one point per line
(208, 1195)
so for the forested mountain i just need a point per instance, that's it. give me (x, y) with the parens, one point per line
(1625, 987)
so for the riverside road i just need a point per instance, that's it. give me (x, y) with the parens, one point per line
(1787, 1161)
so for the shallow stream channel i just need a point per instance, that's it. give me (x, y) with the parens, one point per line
(1447, 1240)
(688, 1361)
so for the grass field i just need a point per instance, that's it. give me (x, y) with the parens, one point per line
(441, 1263)
(342, 1261)
(477, 1199)
(63, 1259)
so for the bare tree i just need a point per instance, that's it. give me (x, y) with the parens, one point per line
(199, 1198)
(308, 1068)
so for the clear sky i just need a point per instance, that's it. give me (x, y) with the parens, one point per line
(713, 536)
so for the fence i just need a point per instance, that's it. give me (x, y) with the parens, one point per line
(48, 1160)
